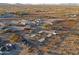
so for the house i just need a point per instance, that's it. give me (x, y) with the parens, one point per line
(71, 15)
(22, 22)
(41, 40)
(33, 35)
(39, 22)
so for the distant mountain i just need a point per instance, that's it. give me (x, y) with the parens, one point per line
(19, 4)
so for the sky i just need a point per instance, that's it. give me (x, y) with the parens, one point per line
(39, 1)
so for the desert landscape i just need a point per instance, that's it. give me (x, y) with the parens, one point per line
(27, 29)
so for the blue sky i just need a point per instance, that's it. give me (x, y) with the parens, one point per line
(39, 1)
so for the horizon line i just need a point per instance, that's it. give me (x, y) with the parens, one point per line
(40, 3)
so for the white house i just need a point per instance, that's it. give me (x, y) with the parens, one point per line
(22, 22)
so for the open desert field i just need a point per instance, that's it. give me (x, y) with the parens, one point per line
(27, 29)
